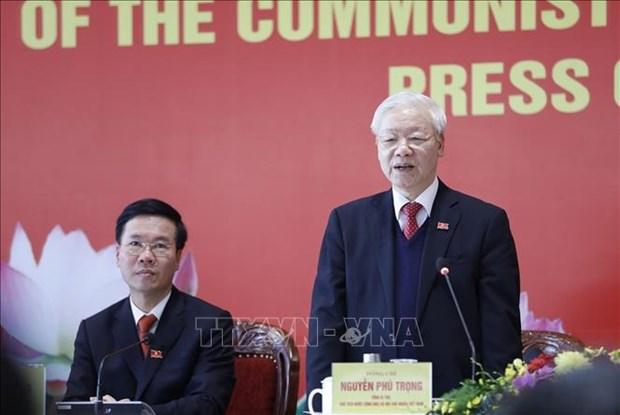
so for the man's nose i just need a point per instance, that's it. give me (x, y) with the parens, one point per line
(147, 255)
(403, 148)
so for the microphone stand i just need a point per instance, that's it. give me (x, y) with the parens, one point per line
(445, 271)
(98, 399)
(469, 340)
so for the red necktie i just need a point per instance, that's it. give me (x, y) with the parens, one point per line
(144, 325)
(411, 209)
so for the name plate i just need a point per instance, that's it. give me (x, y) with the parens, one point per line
(382, 388)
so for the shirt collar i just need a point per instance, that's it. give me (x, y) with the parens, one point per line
(157, 311)
(426, 198)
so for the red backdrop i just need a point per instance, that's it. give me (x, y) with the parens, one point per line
(254, 123)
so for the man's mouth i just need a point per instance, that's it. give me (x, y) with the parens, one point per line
(146, 272)
(403, 167)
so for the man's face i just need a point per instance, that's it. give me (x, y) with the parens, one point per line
(148, 271)
(408, 149)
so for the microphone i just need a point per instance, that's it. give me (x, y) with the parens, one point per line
(147, 339)
(443, 267)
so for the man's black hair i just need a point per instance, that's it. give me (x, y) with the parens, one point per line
(152, 207)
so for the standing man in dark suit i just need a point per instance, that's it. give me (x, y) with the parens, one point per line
(187, 367)
(377, 289)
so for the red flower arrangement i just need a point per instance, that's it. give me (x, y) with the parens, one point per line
(540, 361)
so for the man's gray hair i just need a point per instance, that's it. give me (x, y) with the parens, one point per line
(409, 100)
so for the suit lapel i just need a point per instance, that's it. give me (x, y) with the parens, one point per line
(445, 214)
(166, 334)
(380, 218)
(125, 333)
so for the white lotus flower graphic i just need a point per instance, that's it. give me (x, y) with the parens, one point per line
(43, 303)
(530, 322)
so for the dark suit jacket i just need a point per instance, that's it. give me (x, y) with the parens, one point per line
(354, 287)
(194, 376)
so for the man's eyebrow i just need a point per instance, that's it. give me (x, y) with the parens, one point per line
(390, 131)
(164, 239)
(406, 130)
(158, 238)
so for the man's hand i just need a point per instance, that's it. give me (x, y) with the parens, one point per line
(108, 398)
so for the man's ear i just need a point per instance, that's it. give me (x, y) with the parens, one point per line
(179, 255)
(117, 252)
(441, 141)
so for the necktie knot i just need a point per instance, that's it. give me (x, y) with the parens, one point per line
(144, 326)
(411, 210)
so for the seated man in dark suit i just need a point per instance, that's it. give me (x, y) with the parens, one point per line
(14, 391)
(377, 288)
(187, 368)
(590, 390)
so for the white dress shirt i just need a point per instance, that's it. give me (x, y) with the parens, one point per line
(426, 199)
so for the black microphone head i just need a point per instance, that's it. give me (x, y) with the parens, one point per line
(442, 263)
(147, 339)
